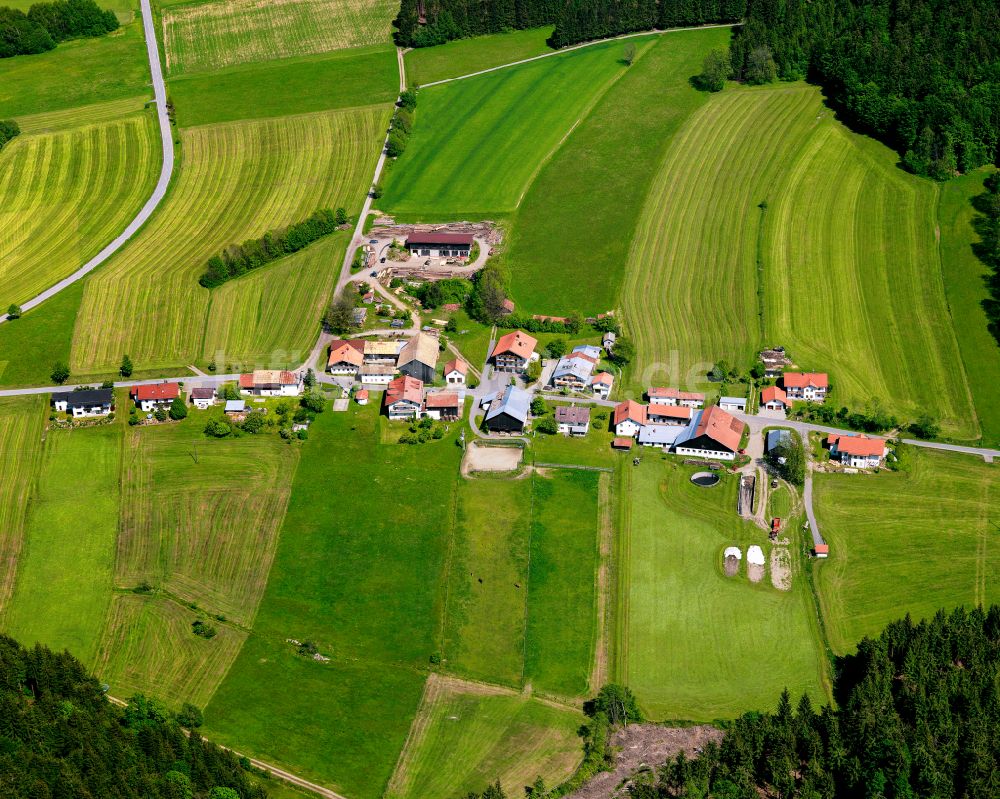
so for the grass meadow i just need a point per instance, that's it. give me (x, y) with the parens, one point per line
(467, 736)
(65, 571)
(81, 116)
(576, 221)
(31, 346)
(906, 542)
(464, 56)
(235, 181)
(66, 195)
(280, 88)
(209, 36)
(699, 645)
(478, 143)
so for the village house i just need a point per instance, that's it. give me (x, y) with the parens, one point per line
(203, 397)
(271, 383)
(733, 404)
(858, 452)
(432, 244)
(629, 417)
(382, 351)
(445, 405)
(455, 372)
(573, 421)
(513, 352)
(673, 396)
(667, 414)
(87, 403)
(361, 396)
(601, 384)
(156, 395)
(809, 386)
(508, 413)
(377, 374)
(608, 342)
(573, 371)
(773, 398)
(346, 357)
(404, 398)
(717, 435)
(419, 357)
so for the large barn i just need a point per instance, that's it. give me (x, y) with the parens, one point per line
(439, 245)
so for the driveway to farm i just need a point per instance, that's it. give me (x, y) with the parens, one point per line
(167, 141)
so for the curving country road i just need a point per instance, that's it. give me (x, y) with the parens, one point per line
(167, 140)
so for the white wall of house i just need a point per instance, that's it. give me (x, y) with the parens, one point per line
(343, 369)
(775, 405)
(574, 429)
(81, 411)
(402, 410)
(706, 453)
(627, 428)
(203, 404)
(455, 379)
(602, 390)
(152, 404)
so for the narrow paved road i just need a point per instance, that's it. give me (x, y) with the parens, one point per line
(167, 140)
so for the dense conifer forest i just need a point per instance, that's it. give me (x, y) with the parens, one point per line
(47, 24)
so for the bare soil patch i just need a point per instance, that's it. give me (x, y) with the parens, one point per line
(755, 572)
(644, 746)
(479, 458)
(781, 568)
(731, 566)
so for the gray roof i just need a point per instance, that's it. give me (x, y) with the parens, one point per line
(235, 406)
(572, 415)
(687, 432)
(515, 402)
(733, 401)
(592, 350)
(88, 397)
(580, 368)
(775, 438)
(660, 433)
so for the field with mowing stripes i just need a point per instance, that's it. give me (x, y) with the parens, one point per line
(464, 56)
(68, 118)
(906, 542)
(235, 181)
(468, 735)
(66, 195)
(208, 36)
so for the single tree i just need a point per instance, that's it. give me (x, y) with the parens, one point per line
(761, 68)
(340, 217)
(125, 370)
(538, 407)
(547, 425)
(309, 380)
(557, 347)
(628, 55)
(313, 402)
(14, 311)
(190, 716)
(178, 409)
(60, 373)
(715, 69)
(339, 317)
(622, 352)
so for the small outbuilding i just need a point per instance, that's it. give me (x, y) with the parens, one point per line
(203, 397)
(738, 404)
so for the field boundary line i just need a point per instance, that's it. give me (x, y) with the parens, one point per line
(605, 541)
(581, 466)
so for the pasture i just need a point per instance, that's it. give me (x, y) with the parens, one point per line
(464, 56)
(477, 144)
(235, 181)
(213, 35)
(906, 542)
(65, 570)
(30, 347)
(66, 195)
(698, 645)
(467, 735)
(297, 86)
(576, 221)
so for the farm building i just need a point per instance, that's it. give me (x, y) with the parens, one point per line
(573, 421)
(629, 418)
(773, 398)
(157, 395)
(513, 352)
(382, 351)
(235, 406)
(455, 372)
(573, 371)
(81, 404)
(621, 442)
(509, 411)
(810, 386)
(271, 383)
(430, 244)
(821, 550)
(601, 384)
(661, 436)
(859, 452)
(203, 397)
(733, 404)
(419, 357)
(716, 434)
(443, 405)
(377, 374)
(673, 396)
(774, 361)
(404, 398)
(668, 414)
(346, 357)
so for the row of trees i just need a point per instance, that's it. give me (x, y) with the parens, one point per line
(423, 23)
(987, 223)
(238, 259)
(401, 127)
(923, 75)
(47, 24)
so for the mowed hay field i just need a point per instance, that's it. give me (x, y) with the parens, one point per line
(907, 542)
(221, 33)
(478, 143)
(699, 645)
(235, 181)
(468, 735)
(66, 195)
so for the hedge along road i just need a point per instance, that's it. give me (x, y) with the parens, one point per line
(159, 191)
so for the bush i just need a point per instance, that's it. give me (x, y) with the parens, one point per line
(547, 425)
(8, 129)
(14, 311)
(216, 428)
(60, 373)
(190, 716)
(617, 703)
(203, 629)
(538, 407)
(125, 369)
(396, 144)
(178, 410)
(254, 423)
(313, 402)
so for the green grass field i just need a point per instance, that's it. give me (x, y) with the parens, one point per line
(464, 56)
(66, 195)
(577, 219)
(699, 645)
(31, 346)
(280, 88)
(65, 570)
(79, 116)
(906, 542)
(478, 143)
(235, 181)
(593, 449)
(467, 736)
(965, 290)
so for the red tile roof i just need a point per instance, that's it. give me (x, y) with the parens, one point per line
(246, 381)
(721, 427)
(860, 446)
(822, 549)
(630, 409)
(156, 391)
(603, 377)
(456, 365)
(342, 351)
(508, 306)
(442, 399)
(622, 443)
(670, 411)
(404, 388)
(772, 393)
(362, 394)
(803, 379)
(674, 393)
(517, 343)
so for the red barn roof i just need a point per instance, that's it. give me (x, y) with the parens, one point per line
(772, 393)
(517, 343)
(721, 427)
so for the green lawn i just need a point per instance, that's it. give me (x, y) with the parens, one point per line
(965, 289)
(31, 345)
(346, 79)
(465, 56)
(577, 219)
(593, 449)
(906, 542)
(699, 645)
(65, 572)
(478, 143)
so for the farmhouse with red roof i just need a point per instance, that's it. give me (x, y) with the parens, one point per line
(156, 395)
(717, 435)
(809, 386)
(858, 452)
(513, 351)
(773, 398)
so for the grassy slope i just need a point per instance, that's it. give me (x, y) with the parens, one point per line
(235, 181)
(65, 570)
(359, 571)
(465, 56)
(477, 143)
(293, 86)
(79, 116)
(32, 344)
(906, 543)
(576, 221)
(66, 195)
(964, 276)
(853, 279)
(700, 645)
